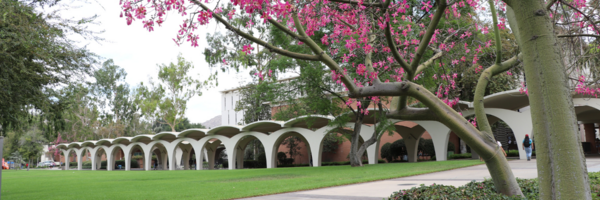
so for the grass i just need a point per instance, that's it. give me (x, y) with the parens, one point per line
(204, 184)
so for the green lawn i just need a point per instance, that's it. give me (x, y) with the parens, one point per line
(205, 184)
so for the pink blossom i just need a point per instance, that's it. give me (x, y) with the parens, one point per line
(247, 49)
(426, 6)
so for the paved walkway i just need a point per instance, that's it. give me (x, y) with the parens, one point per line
(383, 189)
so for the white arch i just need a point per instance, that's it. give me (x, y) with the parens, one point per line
(211, 148)
(239, 143)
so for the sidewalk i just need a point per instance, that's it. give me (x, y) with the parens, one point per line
(383, 189)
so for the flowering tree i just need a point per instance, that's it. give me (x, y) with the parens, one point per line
(382, 48)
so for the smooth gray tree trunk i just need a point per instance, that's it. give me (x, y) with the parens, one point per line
(561, 165)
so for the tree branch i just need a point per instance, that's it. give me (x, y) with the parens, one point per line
(356, 3)
(496, 32)
(324, 57)
(484, 79)
(579, 35)
(369, 61)
(428, 35)
(549, 4)
(394, 50)
(586, 16)
(409, 113)
(258, 41)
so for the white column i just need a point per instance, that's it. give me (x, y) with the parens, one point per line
(178, 156)
(199, 156)
(78, 153)
(127, 159)
(147, 158)
(366, 132)
(440, 135)
(520, 123)
(67, 159)
(93, 152)
(411, 137)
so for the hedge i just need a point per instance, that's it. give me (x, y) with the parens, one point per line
(483, 190)
(88, 164)
(398, 149)
(515, 153)
(329, 163)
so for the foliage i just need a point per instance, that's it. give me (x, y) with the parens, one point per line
(483, 190)
(398, 149)
(460, 156)
(117, 107)
(166, 101)
(293, 145)
(472, 190)
(386, 152)
(30, 144)
(254, 149)
(36, 55)
(281, 157)
(161, 126)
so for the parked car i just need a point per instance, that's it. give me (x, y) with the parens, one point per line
(48, 163)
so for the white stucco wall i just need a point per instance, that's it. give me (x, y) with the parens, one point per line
(228, 115)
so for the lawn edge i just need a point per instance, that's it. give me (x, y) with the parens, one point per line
(359, 182)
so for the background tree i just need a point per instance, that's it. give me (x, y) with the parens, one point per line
(37, 54)
(31, 144)
(161, 126)
(116, 104)
(166, 101)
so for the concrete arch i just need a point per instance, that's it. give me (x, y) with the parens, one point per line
(240, 141)
(411, 137)
(162, 155)
(519, 122)
(67, 155)
(111, 156)
(276, 138)
(440, 135)
(181, 149)
(129, 154)
(211, 149)
(97, 158)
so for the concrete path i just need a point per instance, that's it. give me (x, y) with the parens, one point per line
(383, 189)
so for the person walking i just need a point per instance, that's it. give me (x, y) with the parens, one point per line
(528, 146)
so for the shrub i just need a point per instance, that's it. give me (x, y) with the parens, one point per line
(459, 156)
(225, 163)
(281, 156)
(386, 153)
(262, 160)
(483, 190)
(472, 190)
(398, 149)
(250, 163)
(512, 153)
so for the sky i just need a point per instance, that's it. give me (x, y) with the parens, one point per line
(138, 51)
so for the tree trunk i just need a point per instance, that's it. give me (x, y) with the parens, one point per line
(355, 158)
(1, 153)
(561, 165)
